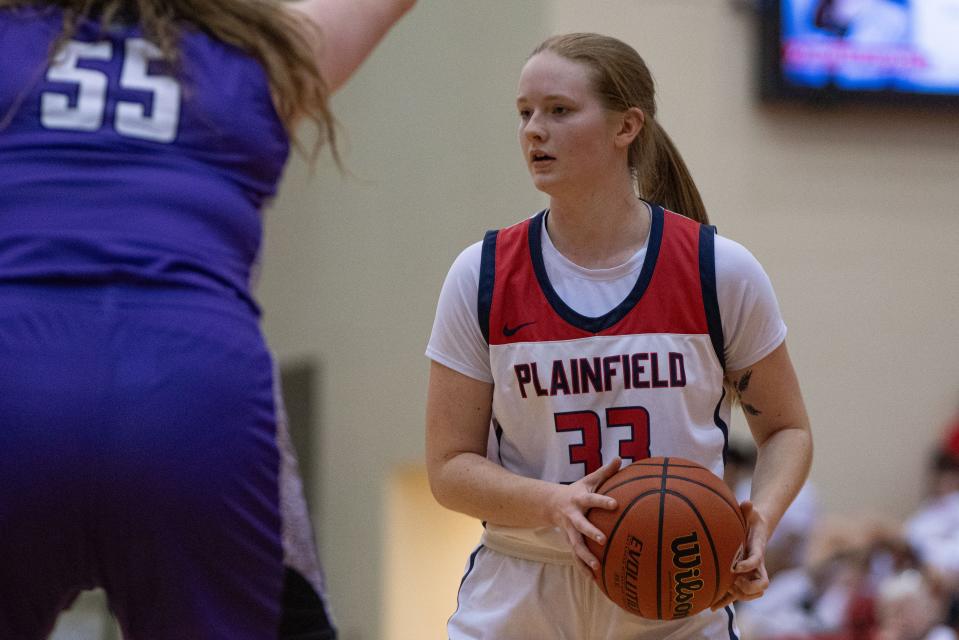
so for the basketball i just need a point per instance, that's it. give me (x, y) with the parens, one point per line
(671, 541)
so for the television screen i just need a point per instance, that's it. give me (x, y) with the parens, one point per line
(886, 50)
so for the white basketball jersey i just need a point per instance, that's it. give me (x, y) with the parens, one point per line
(572, 392)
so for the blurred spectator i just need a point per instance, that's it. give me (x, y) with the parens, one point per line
(933, 530)
(804, 602)
(836, 596)
(950, 437)
(887, 556)
(860, 578)
(910, 608)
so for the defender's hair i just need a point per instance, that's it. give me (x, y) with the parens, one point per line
(622, 80)
(261, 28)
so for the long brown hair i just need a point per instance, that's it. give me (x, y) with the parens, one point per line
(261, 28)
(622, 80)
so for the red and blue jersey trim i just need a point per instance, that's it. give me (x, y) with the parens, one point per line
(675, 291)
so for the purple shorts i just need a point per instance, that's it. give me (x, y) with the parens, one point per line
(143, 450)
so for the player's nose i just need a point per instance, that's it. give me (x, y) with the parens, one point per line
(534, 128)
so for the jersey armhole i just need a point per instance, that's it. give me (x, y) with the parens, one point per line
(707, 278)
(486, 277)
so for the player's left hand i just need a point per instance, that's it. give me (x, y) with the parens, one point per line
(751, 578)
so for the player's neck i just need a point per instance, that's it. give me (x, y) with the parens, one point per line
(600, 232)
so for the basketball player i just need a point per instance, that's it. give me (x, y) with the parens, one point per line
(142, 447)
(602, 330)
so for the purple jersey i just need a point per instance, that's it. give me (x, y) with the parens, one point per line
(113, 168)
(143, 447)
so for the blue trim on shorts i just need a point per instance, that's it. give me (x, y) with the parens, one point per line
(469, 569)
(729, 612)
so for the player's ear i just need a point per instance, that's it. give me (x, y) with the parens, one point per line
(631, 122)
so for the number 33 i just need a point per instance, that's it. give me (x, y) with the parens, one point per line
(131, 118)
(635, 446)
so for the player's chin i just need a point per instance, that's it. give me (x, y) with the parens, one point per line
(543, 181)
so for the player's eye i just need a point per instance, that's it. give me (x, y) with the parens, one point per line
(525, 114)
(560, 110)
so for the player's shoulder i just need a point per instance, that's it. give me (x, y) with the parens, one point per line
(30, 14)
(734, 258)
(468, 264)
(26, 26)
(470, 256)
(464, 272)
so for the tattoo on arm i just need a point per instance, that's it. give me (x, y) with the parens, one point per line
(741, 385)
(751, 410)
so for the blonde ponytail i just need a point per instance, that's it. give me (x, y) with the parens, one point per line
(662, 176)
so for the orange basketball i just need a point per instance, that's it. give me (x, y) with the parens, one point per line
(672, 540)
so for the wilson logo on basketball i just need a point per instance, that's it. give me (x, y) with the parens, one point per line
(671, 541)
(686, 582)
(634, 549)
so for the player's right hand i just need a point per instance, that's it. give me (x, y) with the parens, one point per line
(568, 512)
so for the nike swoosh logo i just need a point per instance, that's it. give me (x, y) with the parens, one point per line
(509, 331)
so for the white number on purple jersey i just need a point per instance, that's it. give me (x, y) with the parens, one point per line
(87, 115)
(131, 119)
